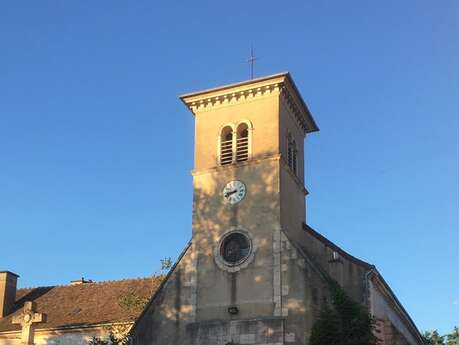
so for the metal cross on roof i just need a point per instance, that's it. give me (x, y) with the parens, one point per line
(26, 319)
(251, 61)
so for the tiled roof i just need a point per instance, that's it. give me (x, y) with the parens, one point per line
(85, 304)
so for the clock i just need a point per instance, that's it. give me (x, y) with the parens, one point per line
(234, 192)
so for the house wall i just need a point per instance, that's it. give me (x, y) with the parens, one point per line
(64, 337)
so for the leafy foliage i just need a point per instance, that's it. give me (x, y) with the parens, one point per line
(166, 265)
(345, 322)
(434, 338)
(131, 304)
(112, 340)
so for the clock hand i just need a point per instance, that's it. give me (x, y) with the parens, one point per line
(230, 193)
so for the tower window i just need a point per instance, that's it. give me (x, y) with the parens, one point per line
(292, 153)
(226, 146)
(234, 143)
(235, 248)
(242, 143)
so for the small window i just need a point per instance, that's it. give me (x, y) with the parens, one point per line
(335, 257)
(226, 146)
(242, 144)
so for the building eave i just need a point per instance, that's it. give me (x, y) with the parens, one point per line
(226, 94)
(190, 95)
(386, 289)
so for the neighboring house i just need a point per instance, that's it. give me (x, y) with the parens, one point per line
(70, 314)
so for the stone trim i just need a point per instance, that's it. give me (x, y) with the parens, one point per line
(277, 268)
(221, 168)
(193, 282)
(286, 255)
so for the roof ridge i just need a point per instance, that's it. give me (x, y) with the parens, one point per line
(37, 287)
(92, 283)
(121, 280)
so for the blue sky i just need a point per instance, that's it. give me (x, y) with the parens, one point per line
(96, 149)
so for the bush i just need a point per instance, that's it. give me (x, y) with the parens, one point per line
(344, 322)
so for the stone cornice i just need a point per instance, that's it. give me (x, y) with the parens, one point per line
(301, 116)
(232, 97)
(278, 84)
(222, 168)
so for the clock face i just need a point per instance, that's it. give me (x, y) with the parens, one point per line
(234, 192)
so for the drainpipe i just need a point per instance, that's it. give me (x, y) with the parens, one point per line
(366, 282)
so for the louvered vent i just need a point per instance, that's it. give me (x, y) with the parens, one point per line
(294, 157)
(292, 153)
(226, 146)
(242, 144)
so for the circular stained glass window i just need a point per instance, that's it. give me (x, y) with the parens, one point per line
(235, 248)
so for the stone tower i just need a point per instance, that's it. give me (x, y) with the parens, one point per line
(230, 285)
(248, 184)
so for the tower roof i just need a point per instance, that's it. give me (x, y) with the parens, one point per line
(226, 93)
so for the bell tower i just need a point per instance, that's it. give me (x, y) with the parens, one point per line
(248, 184)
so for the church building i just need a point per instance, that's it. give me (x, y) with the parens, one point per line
(253, 272)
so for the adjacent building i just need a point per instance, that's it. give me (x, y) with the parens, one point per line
(70, 314)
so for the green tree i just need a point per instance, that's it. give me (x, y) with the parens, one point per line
(453, 338)
(433, 338)
(345, 322)
(326, 330)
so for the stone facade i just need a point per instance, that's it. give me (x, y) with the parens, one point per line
(62, 337)
(276, 293)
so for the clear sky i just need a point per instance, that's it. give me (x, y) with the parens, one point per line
(96, 149)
